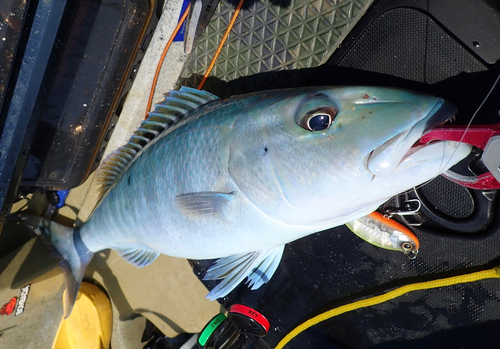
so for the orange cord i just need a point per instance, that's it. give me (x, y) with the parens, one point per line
(223, 41)
(162, 58)
(212, 63)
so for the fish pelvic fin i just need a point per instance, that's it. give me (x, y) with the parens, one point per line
(176, 107)
(257, 266)
(139, 258)
(65, 243)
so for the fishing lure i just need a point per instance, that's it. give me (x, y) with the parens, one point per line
(384, 232)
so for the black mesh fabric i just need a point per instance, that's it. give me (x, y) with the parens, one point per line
(408, 44)
(437, 192)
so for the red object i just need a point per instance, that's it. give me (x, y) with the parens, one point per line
(476, 135)
(251, 313)
(482, 182)
(9, 307)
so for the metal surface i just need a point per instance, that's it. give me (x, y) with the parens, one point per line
(193, 21)
(12, 15)
(491, 156)
(200, 14)
(97, 58)
(22, 114)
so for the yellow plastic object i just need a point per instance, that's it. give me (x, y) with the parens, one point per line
(90, 324)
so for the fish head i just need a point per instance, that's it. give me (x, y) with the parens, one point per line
(334, 154)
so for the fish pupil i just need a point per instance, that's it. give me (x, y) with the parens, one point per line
(319, 122)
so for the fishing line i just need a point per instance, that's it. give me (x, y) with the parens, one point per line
(472, 118)
(463, 135)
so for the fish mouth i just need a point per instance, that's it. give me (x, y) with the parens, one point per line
(404, 149)
(441, 113)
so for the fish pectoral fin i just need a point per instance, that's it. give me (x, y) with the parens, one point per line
(258, 267)
(139, 258)
(202, 203)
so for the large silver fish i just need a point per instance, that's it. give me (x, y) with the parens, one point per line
(237, 179)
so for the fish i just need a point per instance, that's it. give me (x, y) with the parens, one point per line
(236, 179)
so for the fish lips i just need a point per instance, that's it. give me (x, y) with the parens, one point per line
(401, 151)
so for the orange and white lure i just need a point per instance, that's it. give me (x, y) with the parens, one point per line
(384, 232)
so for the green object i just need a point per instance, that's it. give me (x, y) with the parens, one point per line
(210, 328)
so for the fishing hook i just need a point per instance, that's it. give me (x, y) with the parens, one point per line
(408, 210)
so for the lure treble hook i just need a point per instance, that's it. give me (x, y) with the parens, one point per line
(411, 208)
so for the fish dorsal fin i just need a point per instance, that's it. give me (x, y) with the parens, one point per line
(139, 258)
(258, 266)
(176, 106)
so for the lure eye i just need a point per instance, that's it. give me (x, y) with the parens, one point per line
(318, 119)
(407, 246)
(409, 250)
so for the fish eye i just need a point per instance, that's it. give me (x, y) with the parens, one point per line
(318, 119)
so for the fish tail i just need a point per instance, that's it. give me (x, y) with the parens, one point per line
(65, 243)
